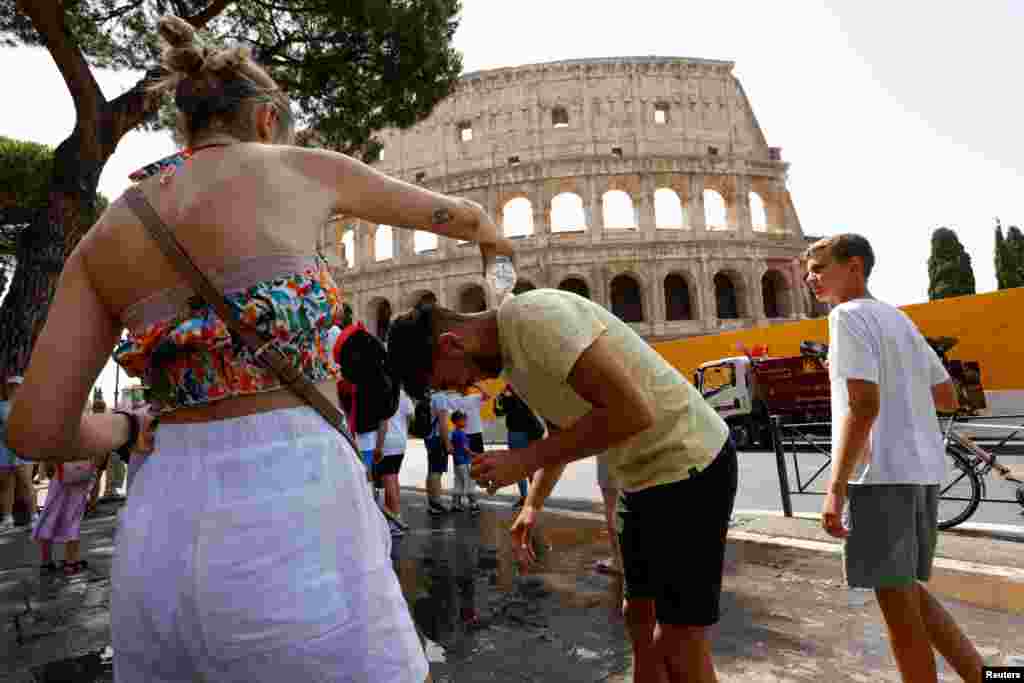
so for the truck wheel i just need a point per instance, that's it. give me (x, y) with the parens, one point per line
(740, 436)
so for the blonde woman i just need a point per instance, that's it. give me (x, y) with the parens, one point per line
(269, 561)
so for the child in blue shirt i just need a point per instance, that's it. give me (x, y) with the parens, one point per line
(462, 456)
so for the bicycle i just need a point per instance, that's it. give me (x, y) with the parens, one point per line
(960, 496)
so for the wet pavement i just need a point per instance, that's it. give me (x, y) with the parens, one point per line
(786, 615)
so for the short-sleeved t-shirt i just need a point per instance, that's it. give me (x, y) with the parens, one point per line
(543, 333)
(470, 405)
(398, 426)
(460, 447)
(440, 401)
(875, 342)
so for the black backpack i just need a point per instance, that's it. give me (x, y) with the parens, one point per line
(363, 361)
(422, 420)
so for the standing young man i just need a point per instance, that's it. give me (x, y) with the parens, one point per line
(588, 373)
(887, 457)
(438, 445)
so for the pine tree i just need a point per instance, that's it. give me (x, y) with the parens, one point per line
(1013, 258)
(949, 267)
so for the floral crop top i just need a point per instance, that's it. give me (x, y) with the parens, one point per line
(187, 356)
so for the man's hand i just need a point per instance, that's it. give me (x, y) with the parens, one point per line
(522, 544)
(495, 469)
(832, 512)
(378, 455)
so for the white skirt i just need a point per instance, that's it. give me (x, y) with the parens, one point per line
(251, 550)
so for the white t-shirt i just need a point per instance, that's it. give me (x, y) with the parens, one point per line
(470, 405)
(398, 430)
(440, 401)
(873, 341)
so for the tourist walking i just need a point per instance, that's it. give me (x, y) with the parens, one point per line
(388, 454)
(610, 494)
(20, 489)
(61, 519)
(270, 562)
(438, 446)
(471, 402)
(521, 425)
(606, 390)
(888, 458)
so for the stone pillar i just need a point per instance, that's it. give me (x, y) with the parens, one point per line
(363, 243)
(404, 245)
(595, 219)
(599, 286)
(695, 205)
(743, 221)
(756, 297)
(540, 201)
(646, 224)
(657, 288)
(706, 294)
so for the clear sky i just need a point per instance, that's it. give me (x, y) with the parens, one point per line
(897, 117)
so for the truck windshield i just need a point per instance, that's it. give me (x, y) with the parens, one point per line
(714, 378)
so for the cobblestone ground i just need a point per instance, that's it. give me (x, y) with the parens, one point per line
(786, 616)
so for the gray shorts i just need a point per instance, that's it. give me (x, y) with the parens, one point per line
(893, 530)
(604, 477)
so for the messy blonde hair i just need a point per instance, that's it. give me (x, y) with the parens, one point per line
(216, 90)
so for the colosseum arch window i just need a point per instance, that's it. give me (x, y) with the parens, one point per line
(668, 209)
(465, 131)
(383, 243)
(422, 296)
(661, 113)
(348, 242)
(576, 286)
(517, 217)
(716, 216)
(473, 299)
(559, 117)
(776, 294)
(618, 212)
(423, 242)
(567, 213)
(627, 299)
(758, 214)
(677, 298)
(729, 295)
(523, 286)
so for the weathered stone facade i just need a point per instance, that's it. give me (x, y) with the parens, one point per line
(612, 161)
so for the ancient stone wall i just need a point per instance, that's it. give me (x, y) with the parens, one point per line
(645, 183)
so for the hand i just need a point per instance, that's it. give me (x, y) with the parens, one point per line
(378, 455)
(522, 544)
(494, 469)
(492, 244)
(832, 512)
(146, 442)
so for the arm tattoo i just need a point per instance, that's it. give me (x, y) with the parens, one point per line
(442, 216)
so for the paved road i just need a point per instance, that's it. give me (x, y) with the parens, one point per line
(759, 484)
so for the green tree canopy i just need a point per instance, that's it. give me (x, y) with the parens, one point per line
(352, 67)
(949, 267)
(1009, 257)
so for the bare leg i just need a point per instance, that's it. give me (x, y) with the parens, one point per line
(948, 639)
(71, 553)
(648, 664)
(611, 501)
(6, 493)
(45, 551)
(901, 608)
(391, 494)
(23, 489)
(687, 653)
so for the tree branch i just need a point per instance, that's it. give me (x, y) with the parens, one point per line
(216, 7)
(47, 18)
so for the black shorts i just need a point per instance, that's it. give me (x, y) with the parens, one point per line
(389, 464)
(682, 574)
(437, 458)
(475, 442)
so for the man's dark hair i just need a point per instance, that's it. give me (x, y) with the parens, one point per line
(411, 349)
(844, 247)
(458, 415)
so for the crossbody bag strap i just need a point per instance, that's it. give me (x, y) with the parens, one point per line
(264, 350)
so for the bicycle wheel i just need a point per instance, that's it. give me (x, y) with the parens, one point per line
(961, 493)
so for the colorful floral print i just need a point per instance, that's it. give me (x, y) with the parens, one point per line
(193, 359)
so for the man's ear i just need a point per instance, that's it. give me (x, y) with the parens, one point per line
(451, 344)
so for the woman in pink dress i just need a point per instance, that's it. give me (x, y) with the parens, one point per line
(61, 522)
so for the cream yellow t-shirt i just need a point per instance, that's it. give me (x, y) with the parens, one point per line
(542, 334)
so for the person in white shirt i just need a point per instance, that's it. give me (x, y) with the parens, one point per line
(388, 452)
(888, 458)
(470, 404)
(442, 404)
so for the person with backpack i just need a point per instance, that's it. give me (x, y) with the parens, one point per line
(522, 426)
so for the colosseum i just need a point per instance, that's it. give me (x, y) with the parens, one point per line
(643, 183)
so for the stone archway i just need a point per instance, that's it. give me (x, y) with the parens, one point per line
(424, 296)
(727, 298)
(776, 295)
(522, 286)
(576, 286)
(472, 299)
(678, 303)
(627, 299)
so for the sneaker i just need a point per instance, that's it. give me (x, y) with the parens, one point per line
(6, 524)
(396, 531)
(474, 508)
(458, 507)
(436, 508)
(399, 522)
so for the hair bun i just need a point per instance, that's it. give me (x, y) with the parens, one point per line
(185, 54)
